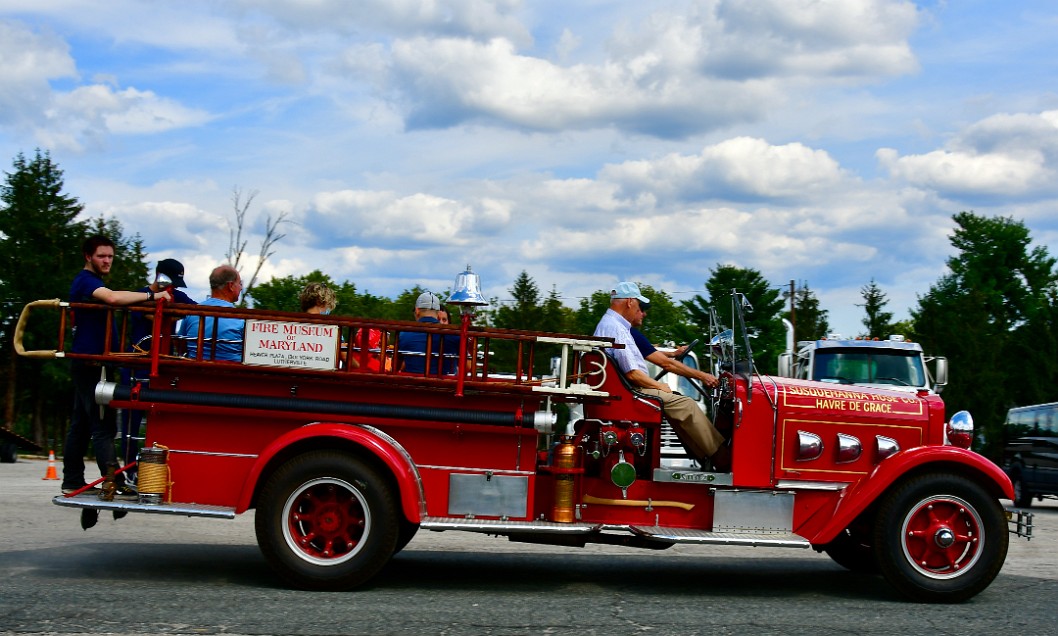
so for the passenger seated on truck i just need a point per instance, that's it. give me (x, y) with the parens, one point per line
(692, 426)
(412, 344)
(225, 285)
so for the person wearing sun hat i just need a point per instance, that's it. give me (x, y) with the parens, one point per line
(698, 435)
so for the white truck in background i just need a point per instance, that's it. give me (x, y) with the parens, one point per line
(890, 364)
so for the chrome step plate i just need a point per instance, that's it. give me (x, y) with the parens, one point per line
(92, 500)
(701, 537)
(499, 526)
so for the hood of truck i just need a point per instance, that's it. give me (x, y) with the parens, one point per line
(826, 432)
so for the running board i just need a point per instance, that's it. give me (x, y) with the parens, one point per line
(654, 533)
(91, 500)
(499, 526)
(701, 537)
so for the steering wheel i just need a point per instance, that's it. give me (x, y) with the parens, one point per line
(679, 358)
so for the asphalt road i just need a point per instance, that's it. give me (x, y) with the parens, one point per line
(153, 574)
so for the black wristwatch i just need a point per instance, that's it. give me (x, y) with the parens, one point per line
(150, 294)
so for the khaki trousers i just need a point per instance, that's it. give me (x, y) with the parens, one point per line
(692, 426)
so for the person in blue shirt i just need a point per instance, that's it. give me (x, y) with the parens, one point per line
(692, 426)
(667, 360)
(141, 327)
(412, 344)
(141, 324)
(225, 286)
(87, 425)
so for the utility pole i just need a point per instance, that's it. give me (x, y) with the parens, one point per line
(793, 316)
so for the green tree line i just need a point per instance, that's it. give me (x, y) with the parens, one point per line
(992, 314)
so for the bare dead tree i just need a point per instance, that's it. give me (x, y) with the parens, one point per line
(237, 244)
(271, 237)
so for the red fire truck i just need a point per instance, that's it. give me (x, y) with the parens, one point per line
(344, 460)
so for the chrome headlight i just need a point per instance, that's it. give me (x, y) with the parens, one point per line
(960, 430)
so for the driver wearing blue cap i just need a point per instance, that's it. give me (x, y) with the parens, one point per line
(699, 436)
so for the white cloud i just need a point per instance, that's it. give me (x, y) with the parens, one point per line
(679, 73)
(81, 117)
(477, 18)
(828, 39)
(87, 115)
(451, 81)
(735, 168)
(356, 216)
(28, 61)
(1002, 155)
(174, 225)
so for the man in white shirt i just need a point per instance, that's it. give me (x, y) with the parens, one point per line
(699, 436)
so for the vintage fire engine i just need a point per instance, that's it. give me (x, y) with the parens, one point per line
(344, 464)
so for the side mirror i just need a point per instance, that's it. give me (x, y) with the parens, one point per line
(942, 373)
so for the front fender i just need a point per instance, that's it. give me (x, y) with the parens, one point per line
(859, 496)
(371, 439)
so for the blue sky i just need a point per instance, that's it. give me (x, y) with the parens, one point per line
(586, 143)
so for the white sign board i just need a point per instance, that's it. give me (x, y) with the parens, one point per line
(291, 344)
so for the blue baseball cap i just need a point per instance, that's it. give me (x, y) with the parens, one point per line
(627, 289)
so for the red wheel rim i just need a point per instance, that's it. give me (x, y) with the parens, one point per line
(942, 537)
(325, 521)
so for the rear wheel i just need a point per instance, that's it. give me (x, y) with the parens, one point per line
(327, 521)
(940, 538)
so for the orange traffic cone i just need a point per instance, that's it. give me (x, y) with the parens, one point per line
(51, 474)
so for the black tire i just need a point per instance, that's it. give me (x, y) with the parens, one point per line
(1022, 495)
(940, 538)
(405, 533)
(8, 453)
(853, 551)
(327, 521)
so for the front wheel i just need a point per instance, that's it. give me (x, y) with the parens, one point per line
(940, 538)
(326, 521)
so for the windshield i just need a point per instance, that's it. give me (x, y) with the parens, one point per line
(861, 366)
(684, 385)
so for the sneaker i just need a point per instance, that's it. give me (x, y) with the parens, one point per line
(91, 491)
(126, 493)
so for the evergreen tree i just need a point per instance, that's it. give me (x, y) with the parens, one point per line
(667, 322)
(556, 317)
(40, 250)
(524, 312)
(766, 332)
(993, 317)
(878, 322)
(590, 310)
(811, 321)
